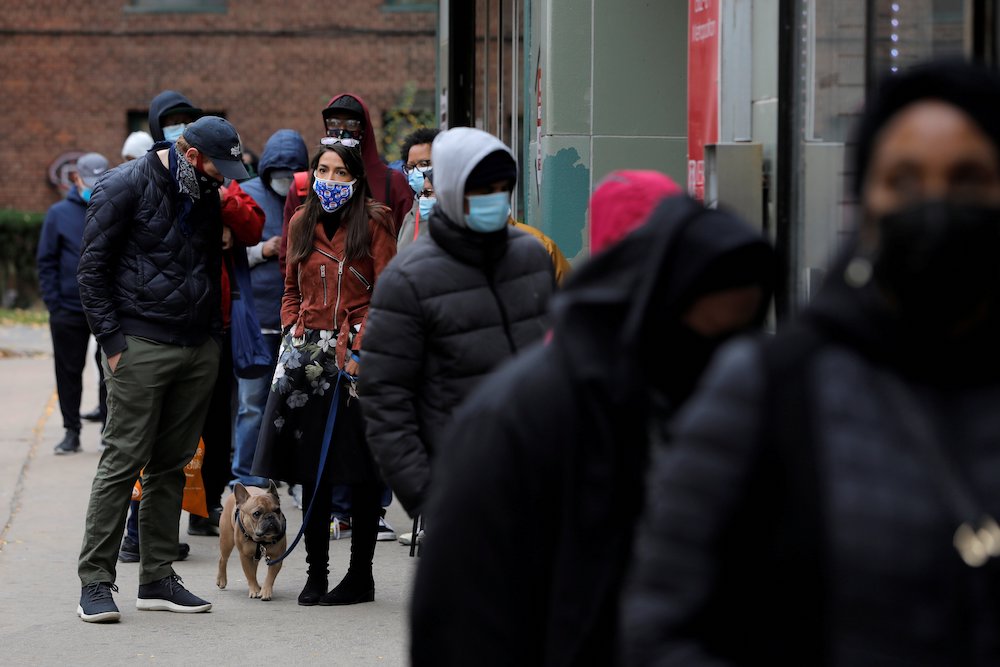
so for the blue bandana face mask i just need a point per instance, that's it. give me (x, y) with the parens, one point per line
(488, 213)
(86, 193)
(333, 194)
(426, 204)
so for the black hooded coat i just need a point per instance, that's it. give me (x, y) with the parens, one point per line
(533, 504)
(802, 515)
(162, 103)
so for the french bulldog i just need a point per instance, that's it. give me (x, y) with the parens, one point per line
(253, 523)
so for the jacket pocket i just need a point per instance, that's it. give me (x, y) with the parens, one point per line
(357, 274)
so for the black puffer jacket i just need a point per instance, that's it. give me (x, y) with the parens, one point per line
(444, 315)
(141, 272)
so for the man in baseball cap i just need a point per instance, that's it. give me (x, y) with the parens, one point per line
(216, 139)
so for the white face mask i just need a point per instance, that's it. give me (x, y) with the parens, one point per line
(174, 132)
(281, 185)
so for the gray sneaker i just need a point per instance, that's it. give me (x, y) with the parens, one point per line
(169, 594)
(97, 605)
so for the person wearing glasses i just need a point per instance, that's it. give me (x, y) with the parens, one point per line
(416, 153)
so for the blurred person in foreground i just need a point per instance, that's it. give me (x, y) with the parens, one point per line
(829, 495)
(558, 438)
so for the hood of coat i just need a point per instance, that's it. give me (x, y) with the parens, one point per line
(623, 201)
(618, 318)
(455, 153)
(162, 103)
(285, 149)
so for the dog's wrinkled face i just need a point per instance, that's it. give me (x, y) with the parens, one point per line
(261, 513)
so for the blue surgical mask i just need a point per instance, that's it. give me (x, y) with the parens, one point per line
(426, 204)
(86, 193)
(488, 213)
(174, 132)
(333, 194)
(416, 178)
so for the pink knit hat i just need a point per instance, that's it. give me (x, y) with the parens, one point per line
(622, 202)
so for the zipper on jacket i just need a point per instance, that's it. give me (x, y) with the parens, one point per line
(322, 274)
(336, 309)
(340, 275)
(357, 274)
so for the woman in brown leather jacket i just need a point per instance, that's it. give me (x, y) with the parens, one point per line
(338, 243)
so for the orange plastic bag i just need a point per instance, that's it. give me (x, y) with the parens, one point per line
(194, 488)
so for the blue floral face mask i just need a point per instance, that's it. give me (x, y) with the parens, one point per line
(333, 194)
(488, 213)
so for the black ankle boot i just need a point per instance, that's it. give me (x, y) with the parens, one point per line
(313, 591)
(352, 589)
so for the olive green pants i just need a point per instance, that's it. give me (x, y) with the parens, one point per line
(158, 397)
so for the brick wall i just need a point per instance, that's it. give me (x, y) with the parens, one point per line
(71, 72)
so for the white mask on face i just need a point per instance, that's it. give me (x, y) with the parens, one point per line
(281, 185)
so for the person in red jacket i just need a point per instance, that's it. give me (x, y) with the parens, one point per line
(338, 244)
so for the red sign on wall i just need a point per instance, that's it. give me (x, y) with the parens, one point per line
(703, 88)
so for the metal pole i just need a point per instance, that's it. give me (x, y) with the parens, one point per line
(486, 67)
(513, 99)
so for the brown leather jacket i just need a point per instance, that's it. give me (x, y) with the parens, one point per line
(326, 291)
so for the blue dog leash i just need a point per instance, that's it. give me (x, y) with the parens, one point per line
(331, 420)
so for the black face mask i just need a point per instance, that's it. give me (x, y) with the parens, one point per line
(207, 184)
(940, 261)
(678, 365)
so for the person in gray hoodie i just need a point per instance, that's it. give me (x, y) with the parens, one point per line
(284, 154)
(461, 300)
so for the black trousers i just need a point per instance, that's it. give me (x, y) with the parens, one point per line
(218, 429)
(70, 338)
(367, 507)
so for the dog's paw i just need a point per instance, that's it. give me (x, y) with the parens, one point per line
(254, 593)
(221, 582)
(265, 594)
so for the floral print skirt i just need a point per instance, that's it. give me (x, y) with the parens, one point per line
(294, 420)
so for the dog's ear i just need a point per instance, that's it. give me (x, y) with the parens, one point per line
(273, 490)
(241, 493)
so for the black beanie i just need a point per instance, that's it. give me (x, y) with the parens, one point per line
(972, 88)
(497, 166)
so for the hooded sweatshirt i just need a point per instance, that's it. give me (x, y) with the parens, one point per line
(455, 154)
(162, 103)
(387, 185)
(285, 149)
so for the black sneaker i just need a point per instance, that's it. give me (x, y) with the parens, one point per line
(129, 551)
(70, 444)
(97, 605)
(169, 594)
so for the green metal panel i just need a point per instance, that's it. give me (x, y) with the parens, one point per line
(666, 154)
(640, 67)
(566, 70)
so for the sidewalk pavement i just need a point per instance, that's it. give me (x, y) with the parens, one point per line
(43, 500)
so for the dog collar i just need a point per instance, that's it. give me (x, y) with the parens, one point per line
(261, 546)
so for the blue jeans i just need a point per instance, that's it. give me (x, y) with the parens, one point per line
(252, 397)
(342, 500)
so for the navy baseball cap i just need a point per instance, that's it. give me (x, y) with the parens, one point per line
(218, 139)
